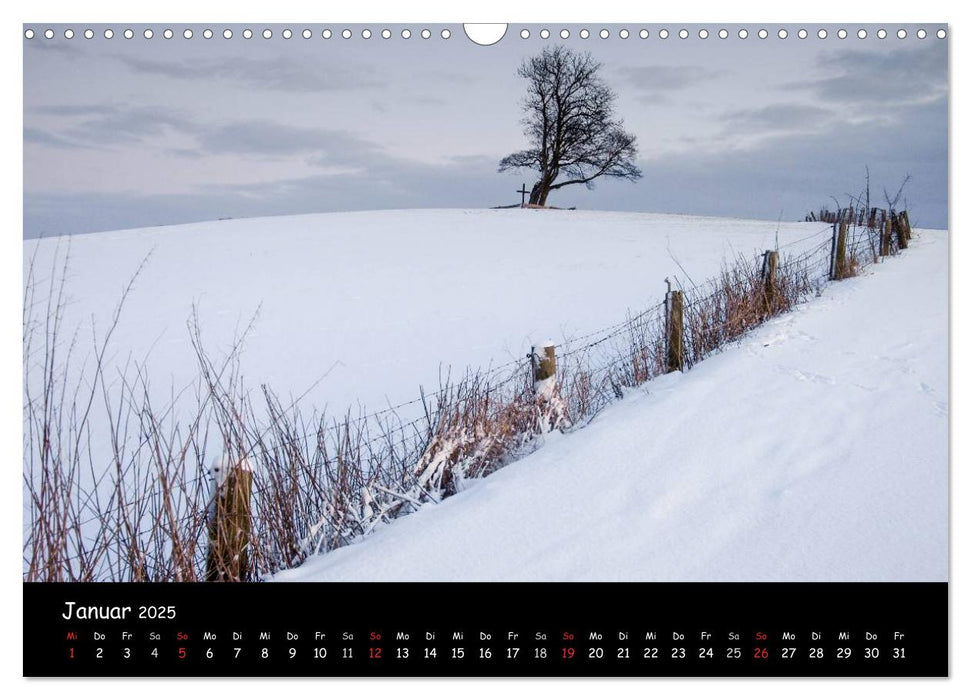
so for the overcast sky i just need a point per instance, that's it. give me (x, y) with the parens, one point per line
(125, 133)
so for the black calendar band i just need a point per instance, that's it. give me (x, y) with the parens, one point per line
(486, 630)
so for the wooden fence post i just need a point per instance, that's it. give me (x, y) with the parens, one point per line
(674, 323)
(837, 263)
(901, 234)
(905, 223)
(230, 525)
(885, 238)
(832, 254)
(552, 412)
(544, 365)
(770, 261)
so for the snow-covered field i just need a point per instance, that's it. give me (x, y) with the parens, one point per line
(816, 449)
(374, 304)
(813, 450)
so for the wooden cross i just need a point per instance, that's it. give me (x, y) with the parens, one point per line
(523, 192)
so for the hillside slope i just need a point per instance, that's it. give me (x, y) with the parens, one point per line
(373, 304)
(813, 450)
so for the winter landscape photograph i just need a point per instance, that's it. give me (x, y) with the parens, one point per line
(377, 303)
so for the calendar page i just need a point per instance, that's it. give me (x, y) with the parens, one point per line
(490, 350)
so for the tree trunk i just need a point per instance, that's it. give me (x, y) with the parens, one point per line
(540, 191)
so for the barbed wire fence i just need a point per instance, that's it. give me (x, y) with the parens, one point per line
(313, 484)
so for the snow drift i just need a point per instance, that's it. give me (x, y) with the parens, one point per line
(813, 450)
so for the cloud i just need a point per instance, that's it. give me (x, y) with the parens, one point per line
(119, 124)
(655, 80)
(67, 110)
(870, 77)
(111, 125)
(794, 174)
(267, 138)
(100, 126)
(446, 76)
(264, 73)
(108, 125)
(385, 182)
(778, 117)
(52, 47)
(46, 138)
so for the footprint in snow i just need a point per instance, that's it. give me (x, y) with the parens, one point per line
(810, 377)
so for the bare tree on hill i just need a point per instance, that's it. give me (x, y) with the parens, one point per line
(570, 124)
